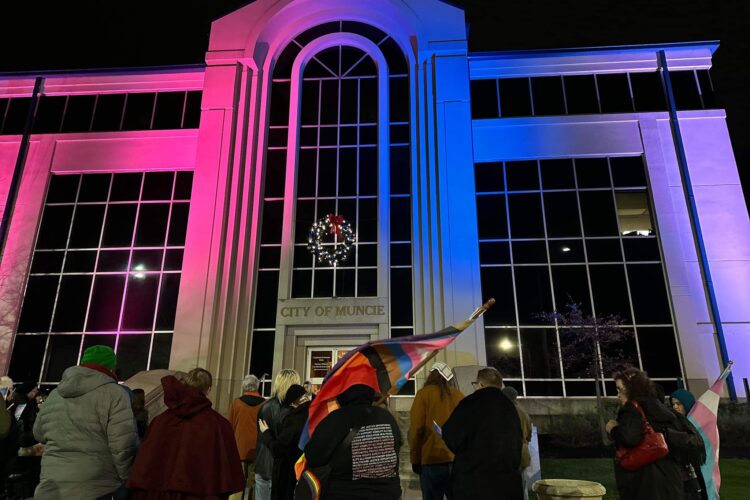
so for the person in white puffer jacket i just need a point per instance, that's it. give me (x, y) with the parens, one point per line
(88, 430)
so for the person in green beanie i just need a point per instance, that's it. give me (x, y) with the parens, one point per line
(88, 430)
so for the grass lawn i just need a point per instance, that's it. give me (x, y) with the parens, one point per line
(735, 474)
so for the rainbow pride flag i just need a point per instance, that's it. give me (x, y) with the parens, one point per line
(384, 365)
(703, 416)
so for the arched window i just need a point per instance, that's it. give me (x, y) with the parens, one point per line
(340, 157)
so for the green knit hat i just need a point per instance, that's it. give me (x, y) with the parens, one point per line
(101, 355)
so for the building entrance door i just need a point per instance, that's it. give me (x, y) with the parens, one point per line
(319, 361)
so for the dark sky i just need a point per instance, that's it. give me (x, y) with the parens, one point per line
(96, 33)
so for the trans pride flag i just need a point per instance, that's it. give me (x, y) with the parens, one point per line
(384, 365)
(703, 417)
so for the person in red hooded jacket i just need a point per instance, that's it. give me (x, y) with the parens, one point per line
(189, 451)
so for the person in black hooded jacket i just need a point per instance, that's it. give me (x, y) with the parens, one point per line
(659, 480)
(284, 445)
(368, 467)
(484, 432)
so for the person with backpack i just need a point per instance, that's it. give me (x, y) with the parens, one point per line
(687, 447)
(243, 415)
(430, 457)
(359, 445)
(654, 478)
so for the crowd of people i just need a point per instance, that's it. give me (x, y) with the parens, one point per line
(91, 440)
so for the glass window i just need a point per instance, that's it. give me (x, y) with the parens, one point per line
(628, 171)
(592, 173)
(649, 293)
(484, 99)
(707, 89)
(192, 116)
(554, 264)
(540, 353)
(648, 91)
(548, 95)
(502, 350)
(497, 282)
(532, 293)
(580, 94)
(526, 219)
(598, 212)
(561, 251)
(614, 93)
(103, 292)
(15, 115)
(168, 112)
(488, 177)
(49, 114)
(139, 109)
(610, 290)
(108, 112)
(79, 113)
(633, 213)
(515, 97)
(522, 175)
(685, 90)
(659, 352)
(561, 211)
(571, 287)
(529, 252)
(557, 174)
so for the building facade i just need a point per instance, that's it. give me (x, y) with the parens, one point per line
(167, 211)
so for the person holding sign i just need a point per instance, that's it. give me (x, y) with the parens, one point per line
(430, 457)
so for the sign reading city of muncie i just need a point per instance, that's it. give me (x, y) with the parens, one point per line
(327, 311)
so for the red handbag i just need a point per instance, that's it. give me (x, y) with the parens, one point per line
(652, 447)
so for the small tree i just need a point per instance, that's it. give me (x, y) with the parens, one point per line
(591, 346)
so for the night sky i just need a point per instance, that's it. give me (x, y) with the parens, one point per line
(77, 34)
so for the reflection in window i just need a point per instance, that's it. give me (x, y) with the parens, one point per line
(539, 251)
(634, 214)
(105, 270)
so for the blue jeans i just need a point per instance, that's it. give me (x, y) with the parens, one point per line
(435, 481)
(262, 488)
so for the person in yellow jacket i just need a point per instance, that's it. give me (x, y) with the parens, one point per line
(430, 457)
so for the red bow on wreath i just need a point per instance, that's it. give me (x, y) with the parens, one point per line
(335, 221)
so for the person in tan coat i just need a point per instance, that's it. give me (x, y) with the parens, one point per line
(430, 457)
(243, 415)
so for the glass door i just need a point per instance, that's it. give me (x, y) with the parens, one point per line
(319, 361)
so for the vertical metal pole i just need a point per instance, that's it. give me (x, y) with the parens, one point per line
(700, 246)
(20, 162)
(747, 389)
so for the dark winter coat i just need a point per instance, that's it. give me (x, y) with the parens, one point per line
(25, 423)
(284, 447)
(368, 467)
(660, 480)
(484, 432)
(269, 412)
(188, 452)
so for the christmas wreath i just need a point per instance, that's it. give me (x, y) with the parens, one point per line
(343, 239)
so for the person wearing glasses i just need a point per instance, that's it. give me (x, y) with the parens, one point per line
(484, 433)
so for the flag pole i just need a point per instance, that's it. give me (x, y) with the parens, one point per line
(458, 326)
